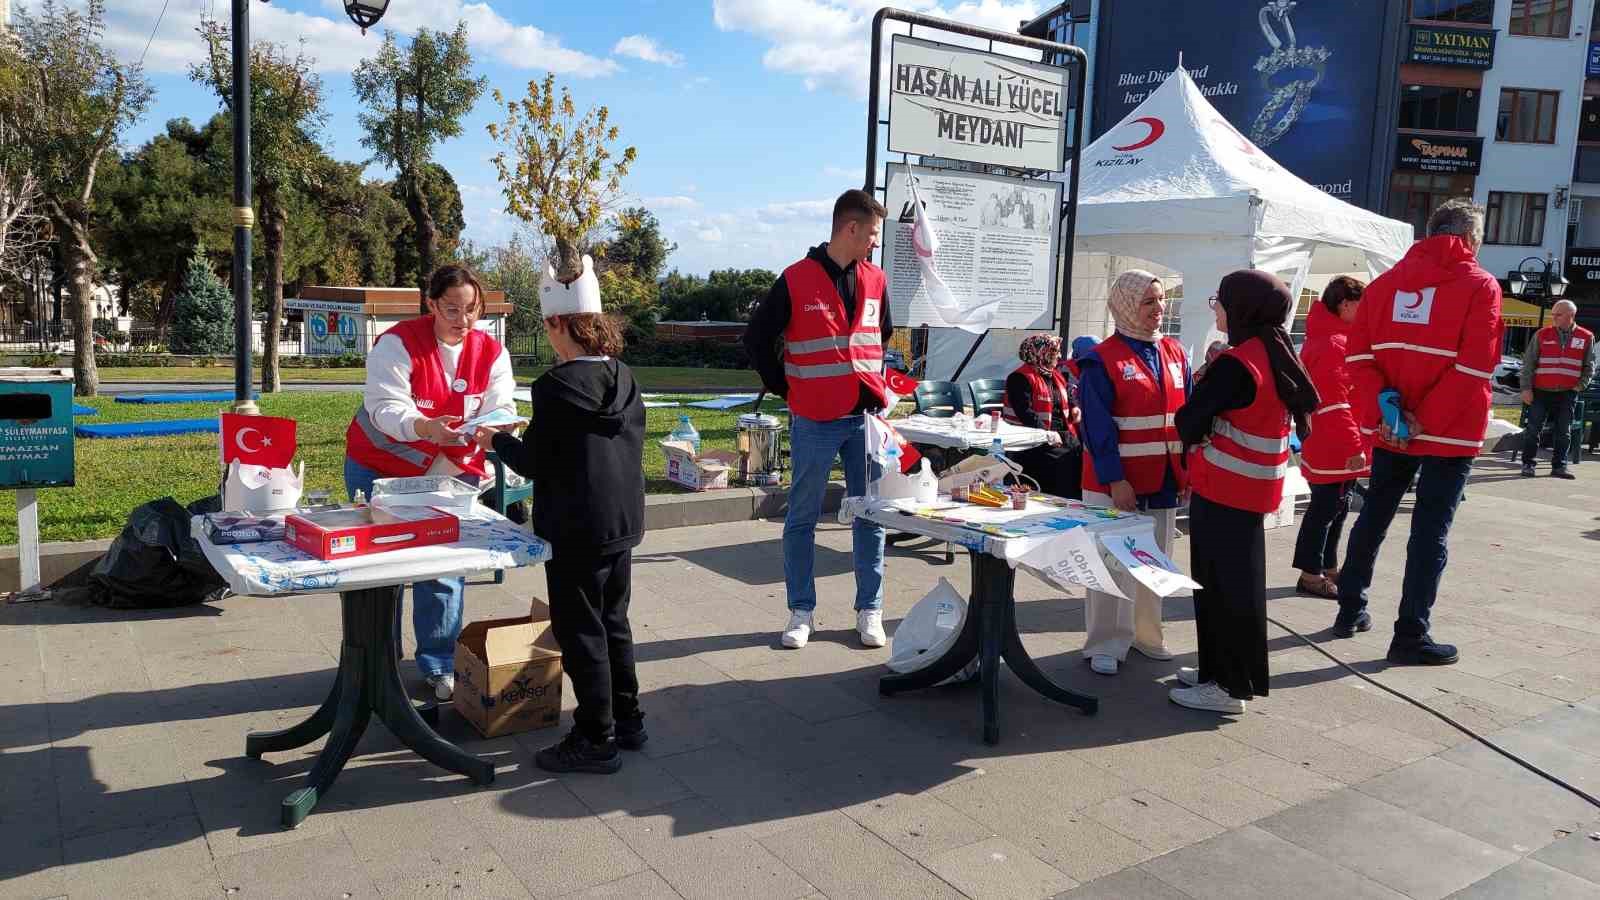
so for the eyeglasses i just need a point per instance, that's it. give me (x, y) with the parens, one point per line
(1212, 302)
(457, 313)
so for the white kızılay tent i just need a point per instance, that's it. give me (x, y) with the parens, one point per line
(1175, 189)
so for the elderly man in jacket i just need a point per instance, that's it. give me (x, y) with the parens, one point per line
(1558, 366)
(1429, 329)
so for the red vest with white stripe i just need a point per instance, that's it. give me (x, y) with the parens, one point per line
(1243, 463)
(1147, 439)
(827, 359)
(1559, 368)
(1045, 398)
(393, 458)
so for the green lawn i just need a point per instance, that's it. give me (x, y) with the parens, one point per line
(654, 378)
(114, 476)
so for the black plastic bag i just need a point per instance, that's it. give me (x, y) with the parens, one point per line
(155, 563)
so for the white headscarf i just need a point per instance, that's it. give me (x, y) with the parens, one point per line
(1127, 292)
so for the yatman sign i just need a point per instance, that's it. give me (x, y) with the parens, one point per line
(960, 103)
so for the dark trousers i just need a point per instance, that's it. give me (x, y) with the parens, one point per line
(589, 614)
(1228, 557)
(1058, 470)
(1440, 481)
(1317, 547)
(1548, 406)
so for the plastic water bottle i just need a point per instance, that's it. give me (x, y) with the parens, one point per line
(997, 448)
(686, 432)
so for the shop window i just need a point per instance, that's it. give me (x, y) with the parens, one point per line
(1471, 12)
(1413, 196)
(1516, 219)
(1541, 18)
(1429, 108)
(1526, 116)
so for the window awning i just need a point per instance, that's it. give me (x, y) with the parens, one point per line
(1519, 313)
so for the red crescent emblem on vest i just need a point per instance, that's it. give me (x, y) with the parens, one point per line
(1157, 129)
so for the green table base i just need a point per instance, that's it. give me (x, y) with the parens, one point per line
(368, 684)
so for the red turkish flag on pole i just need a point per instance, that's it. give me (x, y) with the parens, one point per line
(258, 440)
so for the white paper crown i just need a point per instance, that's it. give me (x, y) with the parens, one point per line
(581, 296)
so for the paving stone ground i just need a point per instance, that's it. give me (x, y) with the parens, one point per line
(779, 774)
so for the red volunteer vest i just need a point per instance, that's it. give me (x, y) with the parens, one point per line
(392, 458)
(1559, 368)
(1143, 411)
(827, 359)
(1046, 398)
(1243, 463)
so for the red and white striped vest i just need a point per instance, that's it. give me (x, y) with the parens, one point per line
(1243, 463)
(1147, 438)
(1045, 398)
(1559, 368)
(828, 360)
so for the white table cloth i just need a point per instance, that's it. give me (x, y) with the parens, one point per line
(943, 433)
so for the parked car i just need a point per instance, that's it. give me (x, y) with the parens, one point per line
(1508, 375)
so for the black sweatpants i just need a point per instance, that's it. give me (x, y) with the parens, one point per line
(589, 614)
(1228, 557)
(1058, 470)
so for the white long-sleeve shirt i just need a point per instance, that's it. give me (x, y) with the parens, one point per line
(388, 391)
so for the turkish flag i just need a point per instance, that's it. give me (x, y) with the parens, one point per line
(258, 440)
(902, 384)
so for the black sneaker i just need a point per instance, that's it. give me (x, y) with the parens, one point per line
(577, 753)
(631, 734)
(1426, 653)
(1346, 628)
(1528, 472)
(1563, 473)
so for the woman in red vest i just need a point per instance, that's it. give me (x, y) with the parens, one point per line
(425, 376)
(1038, 396)
(1130, 386)
(1235, 432)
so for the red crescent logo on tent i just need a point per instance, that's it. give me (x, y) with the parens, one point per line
(1246, 146)
(1157, 129)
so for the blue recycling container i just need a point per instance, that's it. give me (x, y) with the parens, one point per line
(36, 438)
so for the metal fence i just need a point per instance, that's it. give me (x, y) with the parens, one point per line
(57, 337)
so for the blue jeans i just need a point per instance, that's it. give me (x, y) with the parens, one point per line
(1440, 481)
(813, 448)
(436, 606)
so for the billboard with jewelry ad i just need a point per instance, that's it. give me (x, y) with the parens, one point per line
(1297, 77)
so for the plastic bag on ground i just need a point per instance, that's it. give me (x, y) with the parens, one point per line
(155, 562)
(928, 630)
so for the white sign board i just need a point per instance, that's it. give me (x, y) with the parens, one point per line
(962, 103)
(337, 306)
(999, 239)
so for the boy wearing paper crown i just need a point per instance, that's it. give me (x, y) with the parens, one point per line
(585, 453)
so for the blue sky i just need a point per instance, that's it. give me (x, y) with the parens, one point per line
(748, 115)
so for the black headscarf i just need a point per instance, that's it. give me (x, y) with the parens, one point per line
(1258, 305)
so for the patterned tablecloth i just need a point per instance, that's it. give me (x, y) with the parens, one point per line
(943, 433)
(488, 541)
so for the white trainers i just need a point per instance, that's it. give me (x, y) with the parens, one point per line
(1103, 665)
(443, 686)
(1189, 675)
(799, 630)
(1159, 654)
(1209, 697)
(869, 625)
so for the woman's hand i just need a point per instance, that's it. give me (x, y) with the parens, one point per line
(438, 430)
(1356, 463)
(1076, 415)
(1052, 439)
(1123, 497)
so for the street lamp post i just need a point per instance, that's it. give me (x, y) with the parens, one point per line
(364, 13)
(1547, 283)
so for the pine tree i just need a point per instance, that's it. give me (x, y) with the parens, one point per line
(202, 316)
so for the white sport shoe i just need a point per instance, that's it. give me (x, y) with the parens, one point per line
(869, 625)
(1189, 675)
(1208, 697)
(799, 630)
(1159, 654)
(1103, 665)
(443, 686)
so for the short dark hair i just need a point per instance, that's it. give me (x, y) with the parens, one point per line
(598, 334)
(1341, 289)
(453, 276)
(856, 205)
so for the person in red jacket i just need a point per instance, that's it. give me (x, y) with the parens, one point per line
(1335, 454)
(1429, 329)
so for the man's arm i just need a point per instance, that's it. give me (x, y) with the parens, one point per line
(1471, 378)
(1587, 376)
(761, 337)
(1366, 379)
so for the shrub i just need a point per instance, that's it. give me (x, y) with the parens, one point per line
(202, 317)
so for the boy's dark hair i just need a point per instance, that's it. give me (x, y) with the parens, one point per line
(451, 276)
(856, 205)
(598, 334)
(1341, 289)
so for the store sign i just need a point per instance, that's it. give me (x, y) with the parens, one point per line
(961, 103)
(1592, 70)
(1583, 265)
(1442, 155)
(1471, 48)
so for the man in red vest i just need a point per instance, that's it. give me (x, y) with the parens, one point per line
(831, 313)
(1557, 367)
(425, 376)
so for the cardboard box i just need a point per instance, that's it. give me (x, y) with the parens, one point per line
(508, 674)
(337, 533)
(708, 472)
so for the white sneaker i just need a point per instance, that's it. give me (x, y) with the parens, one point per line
(443, 686)
(1208, 697)
(1189, 675)
(799, 630)
(1159, 654)
(869, 625)
(1103, 665)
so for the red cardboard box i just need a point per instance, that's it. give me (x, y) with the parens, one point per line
(337, 533)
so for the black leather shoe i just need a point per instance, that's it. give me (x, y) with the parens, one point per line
(631, 734)
(1427, 653)
(1563, 473)
(577, 753)
(1346, 628)
(1528, 471)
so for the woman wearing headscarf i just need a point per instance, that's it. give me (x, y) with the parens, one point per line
(1037, 396)
(1235, 431)
(1130, 387)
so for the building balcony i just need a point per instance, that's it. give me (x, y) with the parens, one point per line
(1586, 167)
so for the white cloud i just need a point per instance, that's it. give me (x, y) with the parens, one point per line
(643, 47)
(841, 171)
(519, 46)
(710, 235)
(699, 81)
(669, 202)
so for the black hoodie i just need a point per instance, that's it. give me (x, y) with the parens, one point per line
(584, 451)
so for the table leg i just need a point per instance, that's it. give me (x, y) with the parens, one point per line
(393, 705)
(1000, 581)
(991, 643)
(349, 723)
(320, 723)
(954, 660)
